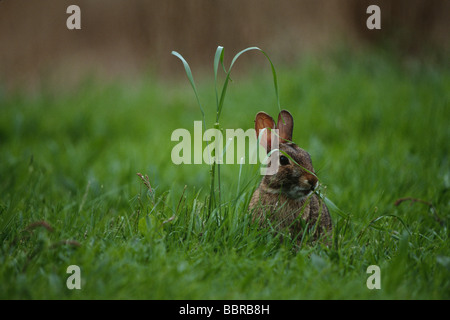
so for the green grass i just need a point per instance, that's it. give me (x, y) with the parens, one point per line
(377, 128)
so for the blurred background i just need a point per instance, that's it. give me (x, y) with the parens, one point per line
(126, 39)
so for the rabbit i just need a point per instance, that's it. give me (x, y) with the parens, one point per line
(287, 197)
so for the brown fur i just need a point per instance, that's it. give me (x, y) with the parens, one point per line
(284, 213)
(285, 198)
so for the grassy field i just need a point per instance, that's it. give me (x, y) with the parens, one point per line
(377, 128)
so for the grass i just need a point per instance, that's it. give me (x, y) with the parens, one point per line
(376, 127)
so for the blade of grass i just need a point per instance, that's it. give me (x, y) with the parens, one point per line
(191, 80)
(227, 79)
(218, 57)
(382, 217)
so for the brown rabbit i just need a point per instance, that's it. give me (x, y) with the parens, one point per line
(287, 197)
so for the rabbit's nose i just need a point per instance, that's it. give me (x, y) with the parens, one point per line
(312, 181)
(313, 185)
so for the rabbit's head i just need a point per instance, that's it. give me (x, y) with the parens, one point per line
(295, 177)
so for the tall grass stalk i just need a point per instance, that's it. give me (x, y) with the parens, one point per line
(219, 59)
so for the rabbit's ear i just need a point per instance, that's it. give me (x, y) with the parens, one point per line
(263, 120)
(285, 125)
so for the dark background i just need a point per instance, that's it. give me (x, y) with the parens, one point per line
(130, 38)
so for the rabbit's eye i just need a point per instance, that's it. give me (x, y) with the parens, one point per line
(284, 161)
